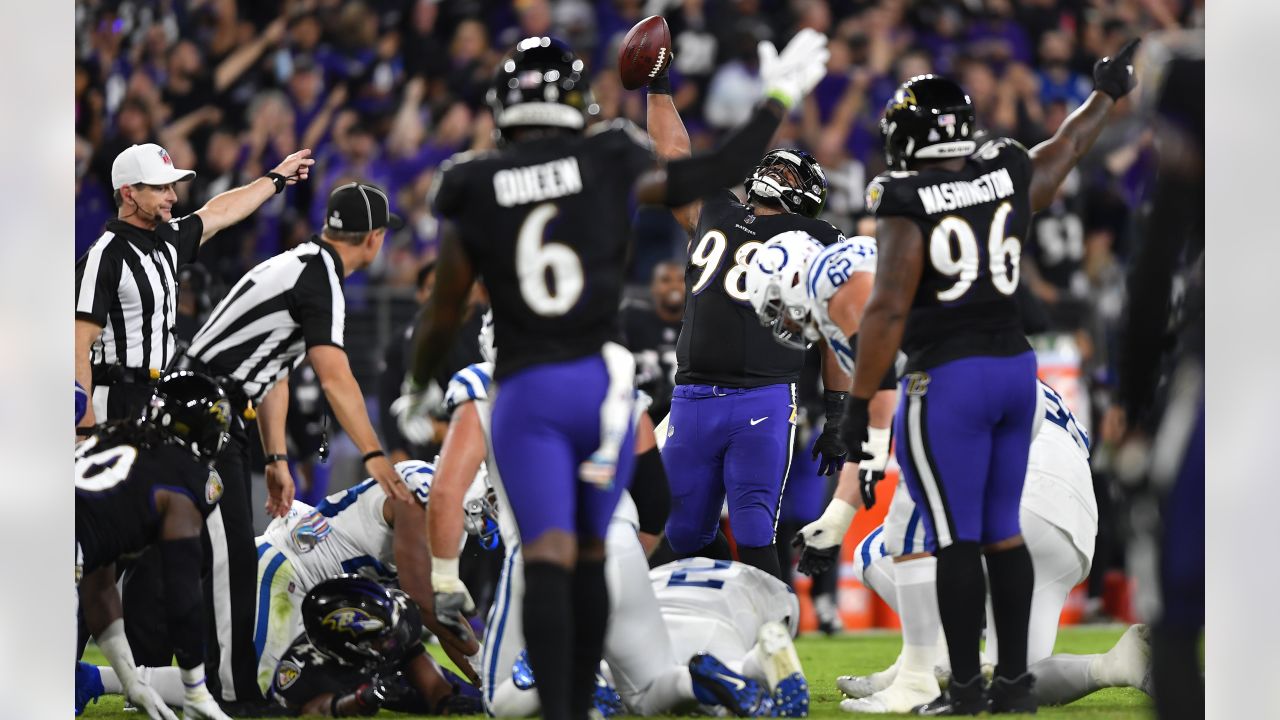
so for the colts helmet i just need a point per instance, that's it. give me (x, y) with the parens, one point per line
(192, 410)
(360, 623)
(928, 118)
(791, 178)
(776, 285)
(541, 84)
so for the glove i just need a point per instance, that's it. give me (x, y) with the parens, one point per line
(197, 703)
(853, 428)
(871, 471)
(1114, 75)
(451, 596)
(790, 76)
(829, 445)
(412, 411)
(381, 690)
(660, 84)
(819, 541)
(146, 699)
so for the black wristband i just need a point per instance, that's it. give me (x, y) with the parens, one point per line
(278, 180)
(275, 458)
(371, 455)
(661, 85)
(833, 406)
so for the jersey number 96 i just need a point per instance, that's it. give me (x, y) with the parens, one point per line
(1003, 254)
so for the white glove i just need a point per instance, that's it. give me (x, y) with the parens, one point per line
(876, 445)
(197, 703)
(146, 699)
(829, 530)
(412, 409)
(445, 581)
(790, 76)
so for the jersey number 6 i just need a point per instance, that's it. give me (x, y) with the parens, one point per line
(1003, 254)
(534, 259)
(708, 254)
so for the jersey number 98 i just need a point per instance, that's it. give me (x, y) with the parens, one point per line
(708, 254)
(1003, 254)
(535, 259)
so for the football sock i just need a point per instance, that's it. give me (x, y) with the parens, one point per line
(590, 618)
(763, 558)
(962, 595)
(110, 682)
(548, 630)
(918, 609)
(1061, 679)
(166, 681)
(1012, 580)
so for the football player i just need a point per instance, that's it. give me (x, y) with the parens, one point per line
(545, 219)
(732, 425)
(950, 218)
(362, 651)
(144, 482)
(1059, 520)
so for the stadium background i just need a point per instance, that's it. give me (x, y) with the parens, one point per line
(384, 90)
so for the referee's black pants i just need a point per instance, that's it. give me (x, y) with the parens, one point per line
(231, 664)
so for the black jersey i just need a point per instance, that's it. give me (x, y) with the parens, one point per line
(545, 224)
(305, 673)
(722, 341)
(116, 484)
(652, 341)
(973, 221)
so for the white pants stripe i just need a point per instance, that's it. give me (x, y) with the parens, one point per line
(221, 601)
(791, 450)
(920, 459)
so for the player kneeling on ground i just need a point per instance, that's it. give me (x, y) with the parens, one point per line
(142, 482)
(362, 651)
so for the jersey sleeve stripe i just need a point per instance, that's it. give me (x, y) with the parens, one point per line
(339, 311)
(815, 271)
(89, 281)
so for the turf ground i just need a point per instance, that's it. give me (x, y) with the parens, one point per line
(825, 658)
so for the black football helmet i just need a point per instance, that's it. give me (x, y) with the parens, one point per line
(791, 178)
(193, 411)
(541, 83)
(360, 623)
(928, 118)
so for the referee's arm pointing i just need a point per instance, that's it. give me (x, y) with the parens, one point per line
(228, 208)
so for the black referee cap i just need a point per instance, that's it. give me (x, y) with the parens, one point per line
(357, 207)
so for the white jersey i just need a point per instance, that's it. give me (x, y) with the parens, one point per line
(736, 595)
(468, 384)
(346, 532)
(828, 272)
(1059, 483)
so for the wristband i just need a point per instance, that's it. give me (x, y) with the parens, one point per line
(278, 180)
(371, 455)
(833, 405)
(444, 568)
(275, 458)
(661, 85)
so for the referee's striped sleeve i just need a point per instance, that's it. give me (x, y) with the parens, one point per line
(97, 278)
(318, 304)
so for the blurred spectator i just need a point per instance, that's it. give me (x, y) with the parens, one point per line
(651, 328)
(1058, 82)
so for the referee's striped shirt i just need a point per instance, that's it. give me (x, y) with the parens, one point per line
(278, 310)
(127, 282)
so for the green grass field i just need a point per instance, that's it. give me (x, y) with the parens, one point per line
(825, 658)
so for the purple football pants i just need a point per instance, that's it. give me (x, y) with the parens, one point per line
(546, 422)
(964, 433)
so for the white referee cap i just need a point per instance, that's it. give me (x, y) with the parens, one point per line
(149, 164)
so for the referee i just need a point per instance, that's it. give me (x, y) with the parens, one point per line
(127, 315)
(287, 307)
(126, 283)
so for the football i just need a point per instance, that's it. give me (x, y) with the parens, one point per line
(645, 52)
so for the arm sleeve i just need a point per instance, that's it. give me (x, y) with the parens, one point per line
(318, 305)
(691, 178)
(97, 280)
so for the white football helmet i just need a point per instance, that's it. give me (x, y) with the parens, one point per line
(776, 287)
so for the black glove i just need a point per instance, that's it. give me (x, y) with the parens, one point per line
(814, 561)
(867, 486)
(829, 445)
(853, 428)
(660, 84)
(381, 689)
(1114, 75)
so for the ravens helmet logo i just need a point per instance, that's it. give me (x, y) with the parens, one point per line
(351, 620)
(221, 411)
(904, 98)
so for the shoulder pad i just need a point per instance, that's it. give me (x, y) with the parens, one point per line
(468, 384)
(876, 188)
(633, 131)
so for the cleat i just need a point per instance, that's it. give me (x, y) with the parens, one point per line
(521, 673)
(88, 685)
(780, 659)
(716, 684)
(958, 699)
(829, 622)
(791, 697)
(1128, 663)
(860, 686)
(908, 691)
(1013, 696)
(605, 699)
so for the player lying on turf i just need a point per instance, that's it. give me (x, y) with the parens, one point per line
(647, 674)
(362, 651)
(1059, 520)
(138, 483)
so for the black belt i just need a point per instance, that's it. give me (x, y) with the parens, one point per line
(106, 375)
